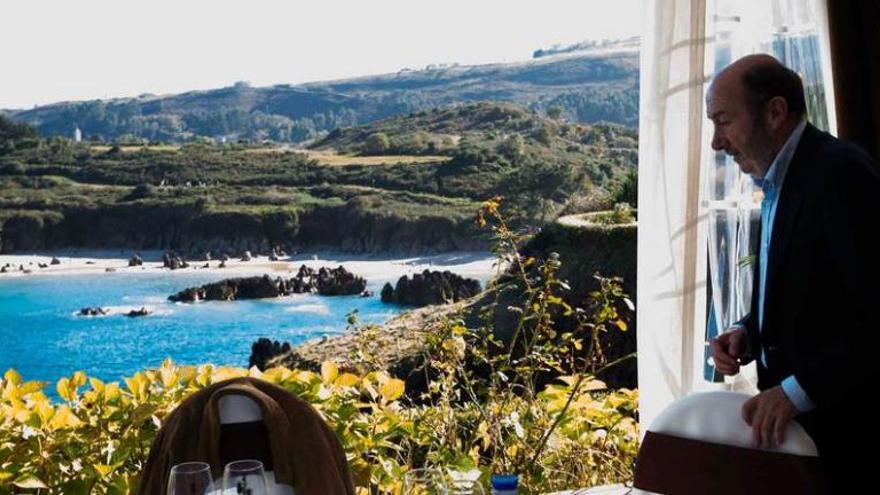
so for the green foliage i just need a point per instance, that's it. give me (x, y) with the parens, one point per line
(513, 148)
(13, 131)
(621, 214)
(628, 190)
(376, 144)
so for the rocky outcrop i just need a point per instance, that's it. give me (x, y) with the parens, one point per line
(263, 350)
(173, 261)
(138, 312)
(430, 287)
(231, 289)
(136, 260)
(93, 311)
(339, 282)
(327, 282)
(55, 261)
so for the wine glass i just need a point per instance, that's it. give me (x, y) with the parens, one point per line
(424, 481)
(190, 478)
(465, 482)
(245, 477)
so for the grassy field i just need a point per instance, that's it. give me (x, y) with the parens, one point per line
(331, 158)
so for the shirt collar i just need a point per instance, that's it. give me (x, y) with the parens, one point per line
(779, 167)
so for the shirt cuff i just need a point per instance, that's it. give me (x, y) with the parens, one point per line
(796, 394)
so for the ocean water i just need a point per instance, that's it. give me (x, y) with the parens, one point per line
(43, 337)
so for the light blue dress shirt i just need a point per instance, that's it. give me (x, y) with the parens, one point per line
(772, 184)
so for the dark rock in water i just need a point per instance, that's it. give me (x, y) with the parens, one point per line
(206, 265)
(55, 261)
(367, 293)
(431, 288)
(387, 293)
(138, 312)
(96, 311)
(246, 256)
(328, 282)
(305, 271)
(339, 282)
(3, 270)
(42, 265)
(109, 269)
(233, 288)
(222, 264)
(136, 260)
(264, 350)
(191, 294)
(173, 261)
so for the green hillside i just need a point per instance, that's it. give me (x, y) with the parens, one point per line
(584, 88)
(418, 193)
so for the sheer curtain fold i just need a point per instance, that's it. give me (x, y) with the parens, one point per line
(671, 244)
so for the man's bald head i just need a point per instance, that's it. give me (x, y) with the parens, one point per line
(760, 78)
(754, 103)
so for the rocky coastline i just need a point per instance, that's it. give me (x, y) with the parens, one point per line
(430, 288)
(323, 281)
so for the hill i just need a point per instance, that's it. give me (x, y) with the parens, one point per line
(418, 193)
(584, 87)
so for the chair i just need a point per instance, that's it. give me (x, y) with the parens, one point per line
(243, 435)
(249, 418)
(701, 444)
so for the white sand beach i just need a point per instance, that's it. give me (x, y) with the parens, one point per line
(478, 265)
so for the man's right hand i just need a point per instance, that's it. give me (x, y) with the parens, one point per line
(727, 348)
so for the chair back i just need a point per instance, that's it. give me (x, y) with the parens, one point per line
(701, 444)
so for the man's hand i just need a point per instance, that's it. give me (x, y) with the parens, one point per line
(727, 348)
(768, 413)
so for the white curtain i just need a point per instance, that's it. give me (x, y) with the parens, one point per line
(695, 207)
(672, 238)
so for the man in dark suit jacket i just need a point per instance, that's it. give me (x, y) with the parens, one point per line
(814, 324)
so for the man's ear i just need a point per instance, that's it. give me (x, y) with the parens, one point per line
(777, 112)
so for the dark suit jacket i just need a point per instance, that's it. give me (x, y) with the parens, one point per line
(822, 306)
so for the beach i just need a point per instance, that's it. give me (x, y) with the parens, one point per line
(84, 262)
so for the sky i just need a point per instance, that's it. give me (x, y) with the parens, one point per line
(62, 50)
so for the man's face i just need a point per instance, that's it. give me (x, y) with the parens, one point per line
(739, 131)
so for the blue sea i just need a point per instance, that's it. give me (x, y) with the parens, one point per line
(43, 337)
